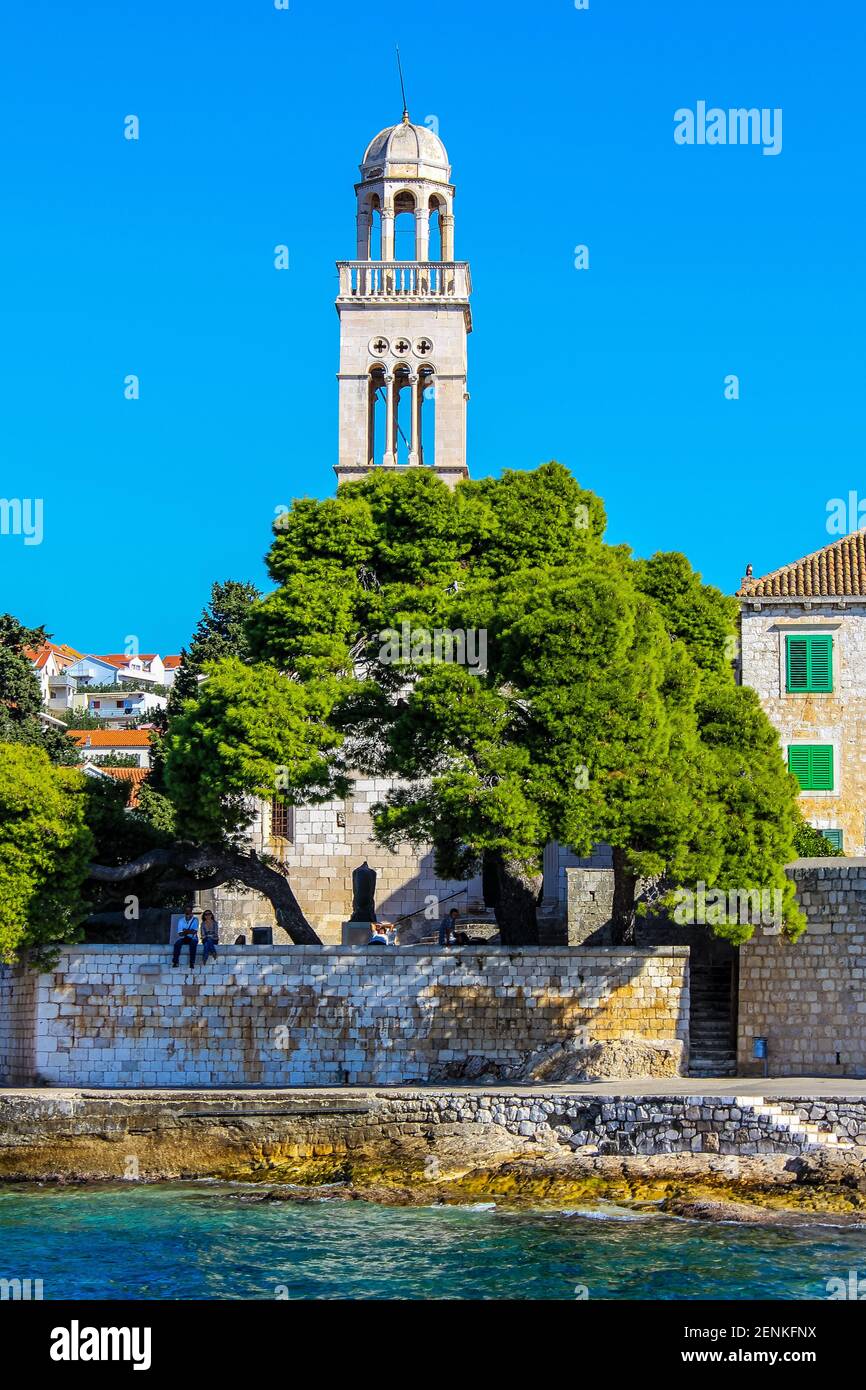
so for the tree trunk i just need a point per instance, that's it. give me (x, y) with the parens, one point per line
(623, 918)
(190, 868)
(514, 896)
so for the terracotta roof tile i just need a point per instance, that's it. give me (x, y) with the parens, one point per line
(111, 738)
(122, 659)
(839, 569)
(135, 775)
(40, 655)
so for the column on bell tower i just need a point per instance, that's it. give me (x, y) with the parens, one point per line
(415, 443)
(422, 233)
(387, 233)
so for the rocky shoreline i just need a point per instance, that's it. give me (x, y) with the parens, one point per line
(763, 1195)
(516, 1148)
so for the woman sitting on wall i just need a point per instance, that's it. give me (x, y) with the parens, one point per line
(210, 935)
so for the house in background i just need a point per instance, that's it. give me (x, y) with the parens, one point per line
(146, 668)
(96, 744)
(115, 688)
(803, 649)
(51, 664)
(91, 670)
(118, 710)
(170, 666)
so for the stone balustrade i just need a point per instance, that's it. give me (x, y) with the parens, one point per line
(401, 280)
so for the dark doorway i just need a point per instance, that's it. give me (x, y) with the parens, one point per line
(713, 993)
(713, 982)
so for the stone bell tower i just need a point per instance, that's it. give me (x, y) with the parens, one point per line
(404, 323)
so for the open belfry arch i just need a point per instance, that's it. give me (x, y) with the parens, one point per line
(404, 322)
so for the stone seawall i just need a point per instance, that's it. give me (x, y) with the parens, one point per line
(314, 1016)
(450, 1143)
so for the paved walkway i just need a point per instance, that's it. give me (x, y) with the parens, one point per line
(770, 1089)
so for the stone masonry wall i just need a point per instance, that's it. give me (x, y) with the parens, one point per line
(329, 841)
(332, 839)
(17, 1026)
(809, 999)
(589, 902)
(313, 1016)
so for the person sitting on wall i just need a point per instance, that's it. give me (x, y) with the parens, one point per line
(378, 936)
(187, 935)
(210, 936)
(447, 927)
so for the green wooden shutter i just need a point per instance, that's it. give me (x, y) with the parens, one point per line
(798, 663)
(809, 662)
(820, 663)
(822, 768)
(834, 836)
(812, 765)
(798, 763)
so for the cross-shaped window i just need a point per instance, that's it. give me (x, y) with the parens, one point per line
(380, 345)
(423, 346)
(402, 345)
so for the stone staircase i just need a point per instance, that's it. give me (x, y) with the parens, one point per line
(786, 1118)
(712, 1044)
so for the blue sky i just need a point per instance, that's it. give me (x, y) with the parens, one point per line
(155, 257)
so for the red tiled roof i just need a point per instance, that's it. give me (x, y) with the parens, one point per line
(170, 662)
(121, 659)
(110, 738)
(116, 661)
(836, 570)
(39, 655)
(135, 775)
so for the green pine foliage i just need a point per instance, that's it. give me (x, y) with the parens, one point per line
(45, 850)
(248, 724)
(811, 844)
(606, 709)
(20, 695)
(220, 632)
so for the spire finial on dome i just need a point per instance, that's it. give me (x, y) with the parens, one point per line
(402, 87)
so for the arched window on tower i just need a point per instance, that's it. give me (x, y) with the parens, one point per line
(436, 209)
(374, 250)
(403, 416)
(376, 415)
(427, 390)
(404, 226)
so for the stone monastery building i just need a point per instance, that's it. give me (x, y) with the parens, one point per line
(404, 326)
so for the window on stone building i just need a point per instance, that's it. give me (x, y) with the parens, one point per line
(812, 765)
(282, 820)
(835, 837)
(809, 663)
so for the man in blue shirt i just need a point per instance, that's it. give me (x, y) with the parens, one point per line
(187, 935)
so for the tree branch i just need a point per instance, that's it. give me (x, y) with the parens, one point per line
(208, 866)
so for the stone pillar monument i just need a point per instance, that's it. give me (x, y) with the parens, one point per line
(356, 932)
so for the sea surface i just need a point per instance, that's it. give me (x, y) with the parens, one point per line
(210, 1240)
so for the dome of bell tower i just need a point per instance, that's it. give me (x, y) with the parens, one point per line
(406, 151)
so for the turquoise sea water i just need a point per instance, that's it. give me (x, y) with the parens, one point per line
(199, 1241)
